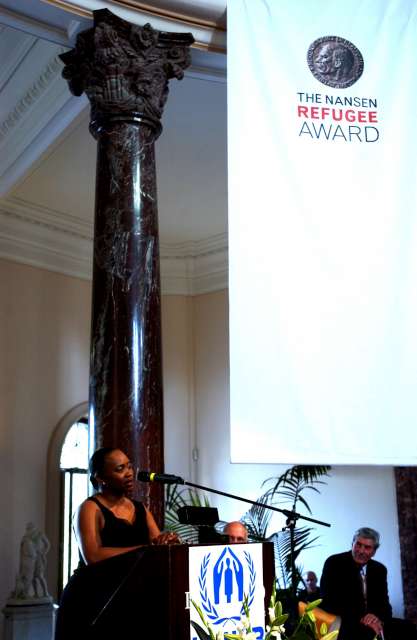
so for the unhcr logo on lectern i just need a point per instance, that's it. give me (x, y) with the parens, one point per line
(224, 580)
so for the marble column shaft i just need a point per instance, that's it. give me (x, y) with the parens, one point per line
(126, 408)
(124, 70)
(406, 490)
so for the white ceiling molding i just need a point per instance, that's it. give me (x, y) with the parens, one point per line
(33, 27)
(16, 49)
(43, 246)
(208, 31)
(19, 209)
(206, 66)
(42, 91)
(35, 236)
(43, 111)
(194, 268)
(41, 142)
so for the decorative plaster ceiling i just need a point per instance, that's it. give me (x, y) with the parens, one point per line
(47, 156)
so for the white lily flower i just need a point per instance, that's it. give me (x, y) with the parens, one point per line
(251, 636)
(220, 635)
(244, 622)
(271, 613)
(276, 631)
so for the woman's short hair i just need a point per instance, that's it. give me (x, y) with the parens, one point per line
(96, 464)
(367, 532)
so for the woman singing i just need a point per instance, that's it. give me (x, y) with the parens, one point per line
(108, 524)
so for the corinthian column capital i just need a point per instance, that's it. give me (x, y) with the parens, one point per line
(124, 69)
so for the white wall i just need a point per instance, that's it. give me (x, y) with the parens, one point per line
(44, 329)
(178, 374)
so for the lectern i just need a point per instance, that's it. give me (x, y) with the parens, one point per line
(143, 593)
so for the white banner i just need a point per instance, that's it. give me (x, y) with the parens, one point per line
(322, 231)
(220, 576)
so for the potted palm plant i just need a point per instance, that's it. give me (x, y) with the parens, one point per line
(290, 489)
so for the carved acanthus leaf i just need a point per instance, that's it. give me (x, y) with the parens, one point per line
(124, 68)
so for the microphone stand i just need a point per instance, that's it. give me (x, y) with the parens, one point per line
(292, 517)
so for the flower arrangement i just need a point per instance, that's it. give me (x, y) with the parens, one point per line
(275, 629)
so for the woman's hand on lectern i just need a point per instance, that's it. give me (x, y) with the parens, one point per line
(166, 537)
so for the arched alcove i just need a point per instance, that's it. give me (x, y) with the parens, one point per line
(53, 491)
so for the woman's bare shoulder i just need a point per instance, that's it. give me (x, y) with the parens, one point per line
(87, 507)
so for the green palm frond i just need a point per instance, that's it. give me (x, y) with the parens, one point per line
(282, 551)
(302, 540)
(289, 487)
(257, 519)
(280, 565)
(197, 500)
(174, 500)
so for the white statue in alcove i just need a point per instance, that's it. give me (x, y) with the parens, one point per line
(30, 580)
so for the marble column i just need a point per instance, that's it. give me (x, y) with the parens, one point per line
(406, 489)
(124, 70)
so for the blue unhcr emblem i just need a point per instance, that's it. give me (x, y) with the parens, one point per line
(228, 586)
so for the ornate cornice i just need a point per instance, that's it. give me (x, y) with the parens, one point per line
(209, 34)
(17, 53)
(82, 9)
(186, 18)
(36, 28)
(31, 123)
(33, 93)
(191, 249)
(43, 238)
(19, 209)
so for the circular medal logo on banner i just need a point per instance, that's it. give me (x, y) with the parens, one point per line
(335, 61)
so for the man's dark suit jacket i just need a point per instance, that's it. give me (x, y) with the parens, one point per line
(342, 593)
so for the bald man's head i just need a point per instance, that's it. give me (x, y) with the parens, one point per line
(236, 531)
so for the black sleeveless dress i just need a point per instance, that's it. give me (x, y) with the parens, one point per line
(118, 532)
(92, 586)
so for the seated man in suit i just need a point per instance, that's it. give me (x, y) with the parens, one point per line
(354, 586)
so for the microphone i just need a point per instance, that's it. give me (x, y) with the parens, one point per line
(166, 478)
